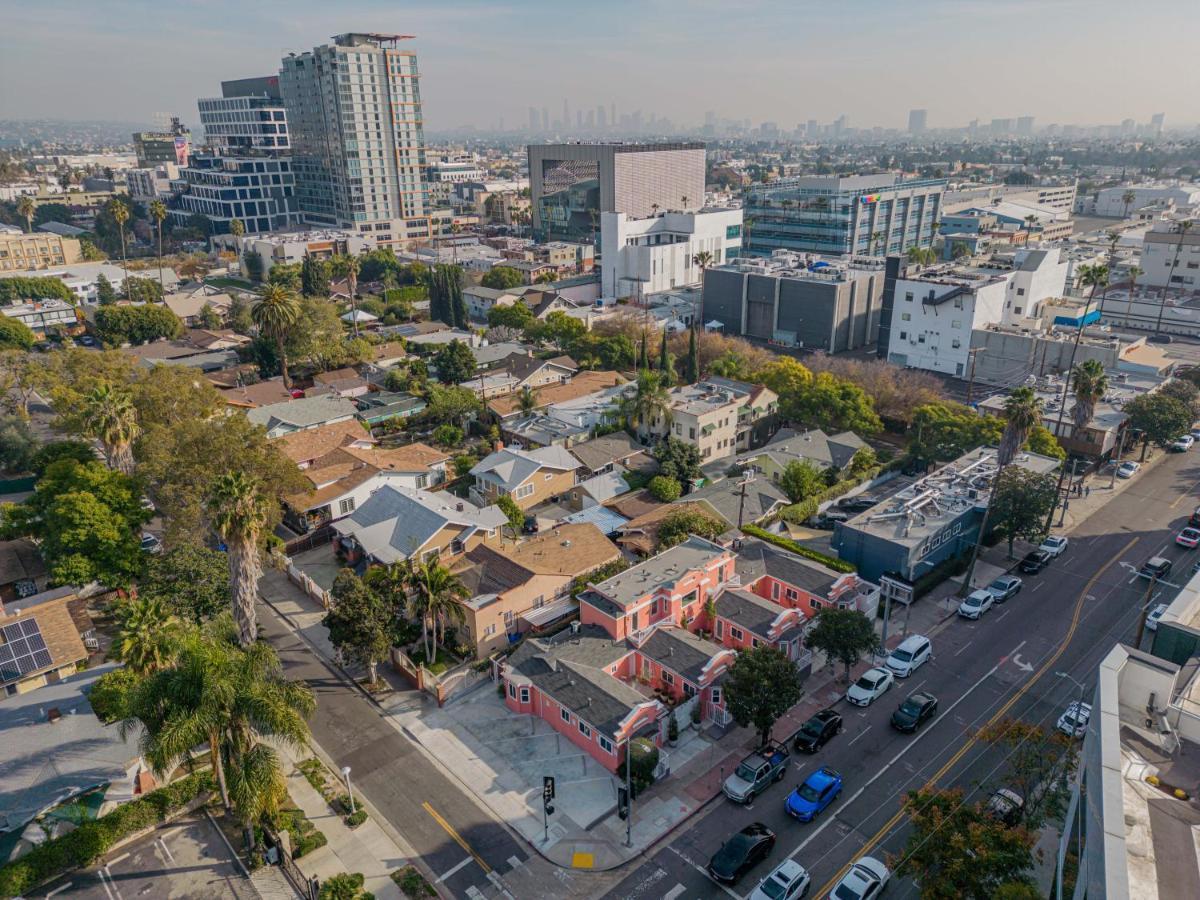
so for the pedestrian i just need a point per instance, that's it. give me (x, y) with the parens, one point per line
(1087, 491)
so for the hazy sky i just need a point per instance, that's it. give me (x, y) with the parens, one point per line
(1065, 61)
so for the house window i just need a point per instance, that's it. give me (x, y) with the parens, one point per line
(645, 668)
(547, 477)
(605, 744)
(524, 695)
(716, 695)
(791, 594)
(905, 317)
(775, 590)
(956, 343)
(512, 690)
(585, 729)
(668, 678)
(1020, 292)
(508, 618)
(538, 601)
(755, 642)
(735, 633)
(1017, 310)
(908, 296)
(719, 628)
(815, 604)
(904, 335)
(956, 323)
(566, 716)
(688, 689)
(346, 506)
(489, 631)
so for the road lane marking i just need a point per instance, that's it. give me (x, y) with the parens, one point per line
(891, 823)
(674, 892)
(449, 829)
(964, 647)
(860, 734)
(450, 873)
(59, 890)
(704, 872)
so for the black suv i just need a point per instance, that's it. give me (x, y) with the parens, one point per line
(914, 712)
(1035, 561)
(818, 731)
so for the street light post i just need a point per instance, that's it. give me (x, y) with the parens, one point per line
(1078, 799)
(349, 789)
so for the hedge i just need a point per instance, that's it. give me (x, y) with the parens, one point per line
(91, 840)
(838, 565)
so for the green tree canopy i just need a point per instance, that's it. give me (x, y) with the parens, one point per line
(688, 519)
(18, 444)
(15, 334)
(664, 489)
(450, 403)
(677, 460)
(360, 622)
(802, 479)
(843, 635)
(455, 363)
(314, 277)
(1158, 417)
(191, 579)
(35, 287)
(502, 278)
(1020, 503)
(116, 325)
(760, 686)
(516, 516)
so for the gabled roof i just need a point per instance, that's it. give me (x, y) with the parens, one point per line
(758, 558)
(664, 569)
(726, 499)
(814, 445)
(39, 634)
(748, 610)
(680, 651)
(306, 412)
(416, 457)
(302, 446)
(606, 486)
(602, 451)
(511, 468)
(584, 383)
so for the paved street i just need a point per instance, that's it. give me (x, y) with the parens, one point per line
(1065, 619)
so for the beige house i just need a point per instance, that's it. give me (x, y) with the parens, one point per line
(530, 477)
(527, 586)
(40, 640)
(720, 416)
(39, 250)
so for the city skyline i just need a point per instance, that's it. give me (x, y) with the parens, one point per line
(477, 69)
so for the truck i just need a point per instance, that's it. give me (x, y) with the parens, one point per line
(757, 772)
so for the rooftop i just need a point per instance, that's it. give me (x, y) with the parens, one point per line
(813, 445)
(807, 266)
(570, 550)
(306, 412)
(659, 571)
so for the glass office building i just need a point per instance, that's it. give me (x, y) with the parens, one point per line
(868, 215)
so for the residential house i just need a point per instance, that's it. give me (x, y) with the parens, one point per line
(188, 305)
(22, 570)
(495, 356)
(306, 447)
(719, 416)
(302, 414)
(534, 373)
(398, 523)
(745, 620)
(640, 533)
(598, 489)
(584, 384)
(432, 341)
(518, 588)
(740, 501)
(382, 406)
(604, 453)
(269, 392)
(530, 477)
(381, 359)
(40, 640)
(344, 383)
(45, 316)
(791, 581)
(482, 300)
(814, 446)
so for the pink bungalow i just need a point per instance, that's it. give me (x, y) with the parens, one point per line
(797, 583)
(746, 620)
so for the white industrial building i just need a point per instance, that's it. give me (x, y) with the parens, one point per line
(1170, 257)
(1111, 202)
(642, 256)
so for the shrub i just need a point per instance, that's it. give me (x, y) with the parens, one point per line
(356, 818)
(448, 435)
(838, 565)
(799, 513)
(109, 694)
(308, 843)
(644, 757)
(346, 886)
(412, 883)
(665, 489)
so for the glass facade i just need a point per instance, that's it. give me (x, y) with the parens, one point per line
(570, 201)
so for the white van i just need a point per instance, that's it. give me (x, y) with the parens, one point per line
(913, 652)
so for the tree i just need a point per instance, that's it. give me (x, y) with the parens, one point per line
(1089, 383)
(240, 318)
(236, 228)
(527, 400)
(1022, 411)
(254, 266)
(346, 266)
(110, 418)
(666, 371)
(762, 685)
(120, 215)
(691, 364)
(314, 277)
(433, 596)
(1039, 765)
(1042, 440)
(643, 355)
(455, 363)
(105, 295)
(191, 580)
(955, 850)
(52, 452)
(26, 209)
(677, 460)
(664, 489)
(1127, 199)
(446, 302)
(166, 395)
(1020, 503)
(1185, 392)
(514, 513)
(501, 278)
(275, 314)
(448, 435)
(958, 250)
(787, 378)
(1158, 417)
(688, 519)
(158, 212)
(843, 635)
(344, 886)
(648, 405)
(209, 318)
(802, 479)
(36, 287)
(514, 315)
(703, 260)
(146, 633)
(834, 405)
(15, 334)
(360, 622)
(451, 403)
(238, 510)
(287, 275)
(17, 444)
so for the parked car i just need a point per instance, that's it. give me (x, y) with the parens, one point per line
(1159, 339)
(1055, 545)
(1128, 469)
(787, 881)
(858, 503)
(1155, 567)
(150, 544)
(1155, 615)
(914, 712)
(1035, 561)
(814, 794)
(871, 685)
(818, 731)
(914, 651)
(1005, 806)
(86, 340)
(530, 525)
(1004, 587)
(826, 520)
(1195, 433)
(1189, 537)
(1194, 518)
(742, 852)
(865, 881)
(1073, 722)
(975, 604)
(757, 772)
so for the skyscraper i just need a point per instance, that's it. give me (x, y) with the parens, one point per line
(1156, 123)
(358, 141)
(600, 123)
(534, 121)
(1025, 125)
(916, 120)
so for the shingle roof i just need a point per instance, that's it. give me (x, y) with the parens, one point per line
(680, 651)
(748, 610)
(606, 486)
(725, 497)
(815, 445)
(570, 550)
(605, 450)
(758, 558)
(416, 457)
(302, 413)
(512, 467)
(302, 446)
(581, 385)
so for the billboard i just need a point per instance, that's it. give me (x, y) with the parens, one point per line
(181, 149)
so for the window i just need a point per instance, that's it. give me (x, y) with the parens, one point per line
(956, 343)
(908, 296)
(716, 695)
(719, 628)
(755, 642)
(547, 477)
(816, 604)
(668, 678)
(346, 506)
(791, 594)
(605, 744)
(905, 317)
(489, 631)
(1020, 292)
(689, 690)
(512, 689)
(904, 335)
(538, 601)
(775, 590)
(585, 729)
(1017, 310)
(566, 716)
(735, 633)
(508, 618)
(524, 695)
(956, 323)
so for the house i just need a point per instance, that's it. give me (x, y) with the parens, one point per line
(534, 373)
(604, 453)
(518, 588)
(42, 316)
(747, 620)
(584, 384)
(539, 430)
(302, 414)
(482, 300)
(305, 447)
(209, 339)
(268, 392)
(398, 523)
(379, 407)
(40, 640)
(360, 318)
(719, 416)
(495, 356)
(188, 305)
(640, 533)
(432, 341)
(814, 446)
(738, 501)
(530, 477)
(789, 580)
(344, 383)
(22, 570)
(381, 359)
(598, 489)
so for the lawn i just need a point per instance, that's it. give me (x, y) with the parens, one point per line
(224, 281)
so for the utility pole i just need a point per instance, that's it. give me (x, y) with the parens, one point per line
(971, 378)
(628, 805)
(1062, 410)
(747, 478)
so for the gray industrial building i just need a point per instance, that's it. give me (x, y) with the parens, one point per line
(797, 300)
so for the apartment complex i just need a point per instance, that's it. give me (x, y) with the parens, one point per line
(1170, 257)
(719, 416)
(870, 215)
(357, 135)
(39, 250)
(642, 256)
(572, 185)
(153, 147)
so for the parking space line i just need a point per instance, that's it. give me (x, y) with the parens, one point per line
(965, 646)
(165, 849)
(458, 839)
(59, 890)
(675, 892)
(860, 734)
(452, 872)
(115, 860)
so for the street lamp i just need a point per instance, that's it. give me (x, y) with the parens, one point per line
(349, 789)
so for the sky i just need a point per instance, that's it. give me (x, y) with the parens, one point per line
(787, 61)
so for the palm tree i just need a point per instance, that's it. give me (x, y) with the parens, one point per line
(1127, 198)
(239, 511)
(276, 314)
(703, 259)
(1022, 410)
(120, 214)
(433, 596)
(650, 402)
(877, 238)
(1134, 273)
(147, 634)
(345, 266)
(1183, 228)
(236, 228)
(1030, 221)
(158, 212)
(110, 416)
(25, 209)
(527, 400)
(683, 200)
(1089, 383)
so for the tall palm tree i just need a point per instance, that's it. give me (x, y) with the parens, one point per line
(683, 200)
(1182, 228)
(527, 400)
(345, 266)
(120, 214)
(1127, 198)
(433, 596)
(158, 212)
(1134, 273)
(877, 238)
(238, 511)
(110, 416)
(1022, 410)
(649, 402)
(236, 228)
(1089, 383)
(703, 259)
(25, 209)
(275, 314)
(147, 634)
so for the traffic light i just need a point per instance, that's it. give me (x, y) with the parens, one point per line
(622, 803)
(547, 788)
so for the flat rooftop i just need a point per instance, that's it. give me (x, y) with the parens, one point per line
(665, 569)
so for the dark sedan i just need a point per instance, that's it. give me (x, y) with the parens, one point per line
(859, 503)
(818, 731)
(914, 712)
(742, 852)
(1035, 561)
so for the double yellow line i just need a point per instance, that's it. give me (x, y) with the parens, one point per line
(458, 839)
(999, 714)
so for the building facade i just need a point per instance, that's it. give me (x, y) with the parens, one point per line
(645, 256)
(1170, 257)
(154, 147)
(37, 250)
(572, 185)
(870, 215)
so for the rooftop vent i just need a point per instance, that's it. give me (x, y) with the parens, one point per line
(53, 715)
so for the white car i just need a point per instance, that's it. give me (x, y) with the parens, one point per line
(1183, 443)
(1155, 615)
(1128, 469)
(1055, 545)
(1073, 722)
(789, 881)
(871, 685)
(865, 881)
(912, 653)
(976, 604)
(1195, 433)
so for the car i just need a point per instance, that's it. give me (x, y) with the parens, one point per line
(912, 653)
(1004, 587)
(787, 881)
(1155, 615)
(1055, 545)
(1182, 444)
(530, 525)
(1005, 806)
(865, 881)
(826, 520)
(871, 685)
(147, 504)
(1035, 561)
(1155, 567)
(818, 731)
(1128, 469)
(742, 852)
(86, 340)
(1194, 518)
(1195, 433)
(1159, 339)
(915, 711)
(151, 544)
(814, 794)
(757, 772)
(975, 604)
(1073, 722)
(858, 503)
(1188, 537)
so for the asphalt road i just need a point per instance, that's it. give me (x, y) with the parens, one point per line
(454, 838)
(1065, 619)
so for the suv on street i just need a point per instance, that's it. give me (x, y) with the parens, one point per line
(914, 651)
(757, 772)
(1006, 806)
(1004, 587)
(818, 731)
(1155, 567)
(1035, 561)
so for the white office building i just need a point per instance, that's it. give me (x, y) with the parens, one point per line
(1170, 257)
(1111, 201)
(657, 253)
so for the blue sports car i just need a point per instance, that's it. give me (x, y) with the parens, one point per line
(817, 792)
